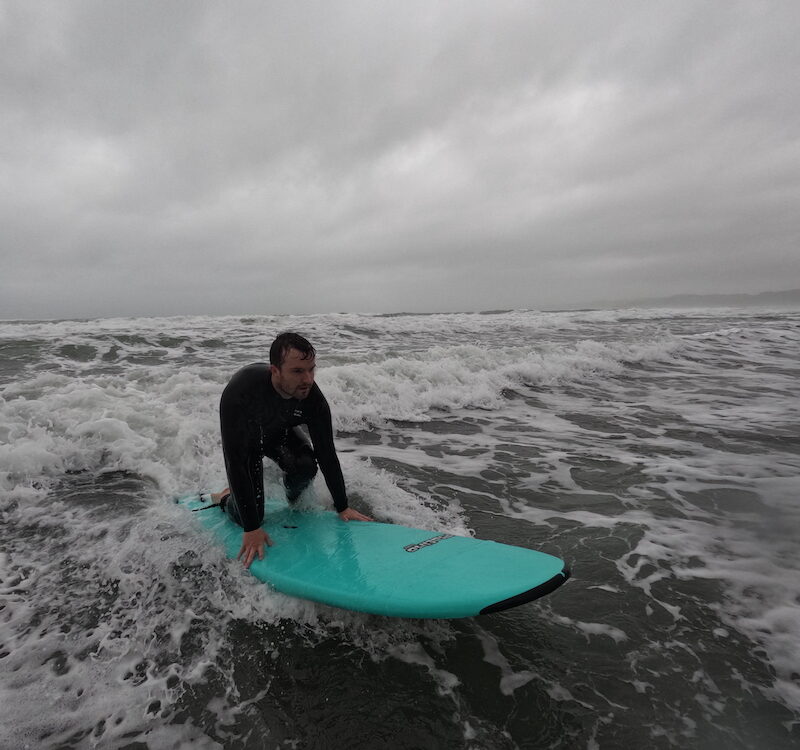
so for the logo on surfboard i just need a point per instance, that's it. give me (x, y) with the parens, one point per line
(427, 542)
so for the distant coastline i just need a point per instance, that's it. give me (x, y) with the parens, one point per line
(786, 298)
(789, 298)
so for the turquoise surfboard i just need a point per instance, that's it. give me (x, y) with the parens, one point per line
(385, 569)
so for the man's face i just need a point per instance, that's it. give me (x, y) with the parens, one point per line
(294, 378)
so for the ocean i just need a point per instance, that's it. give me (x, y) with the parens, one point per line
(656, 451)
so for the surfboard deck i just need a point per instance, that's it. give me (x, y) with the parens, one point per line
(385, 569)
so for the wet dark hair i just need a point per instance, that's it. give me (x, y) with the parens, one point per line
(289, 340)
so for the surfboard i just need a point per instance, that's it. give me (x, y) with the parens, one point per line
(385, 569)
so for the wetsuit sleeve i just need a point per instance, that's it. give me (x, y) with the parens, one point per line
(320, 429)
(241, 450)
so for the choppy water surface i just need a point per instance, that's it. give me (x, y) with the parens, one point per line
(657, 452)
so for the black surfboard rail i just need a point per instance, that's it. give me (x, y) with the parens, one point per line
(528, 596)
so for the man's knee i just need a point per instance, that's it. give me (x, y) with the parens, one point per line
(302, 474)
(228, 505)
(305, 466)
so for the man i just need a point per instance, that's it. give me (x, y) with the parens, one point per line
(260, 410)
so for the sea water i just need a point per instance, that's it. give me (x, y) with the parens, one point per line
(657, 452)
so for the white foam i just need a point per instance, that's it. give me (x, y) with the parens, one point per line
(141, 396)
(593, 628)
(420, 384)
(414, 653)
(510, 680)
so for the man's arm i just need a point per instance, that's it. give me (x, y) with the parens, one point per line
(243, 467)
(240, 460)
(320, 427)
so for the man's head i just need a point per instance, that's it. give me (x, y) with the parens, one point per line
(292, 362)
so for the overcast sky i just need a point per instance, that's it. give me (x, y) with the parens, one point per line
(288, 157)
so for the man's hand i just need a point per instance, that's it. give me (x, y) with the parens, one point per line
(348, 514)
(253, 544)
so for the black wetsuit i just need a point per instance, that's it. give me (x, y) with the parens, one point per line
(257, 422)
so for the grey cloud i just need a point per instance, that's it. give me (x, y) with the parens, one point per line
(393, 156)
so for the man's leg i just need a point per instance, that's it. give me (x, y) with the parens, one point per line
(296, 458)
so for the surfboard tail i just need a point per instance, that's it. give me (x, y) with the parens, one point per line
(528, 596)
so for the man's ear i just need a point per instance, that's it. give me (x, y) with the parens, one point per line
(274, 369)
